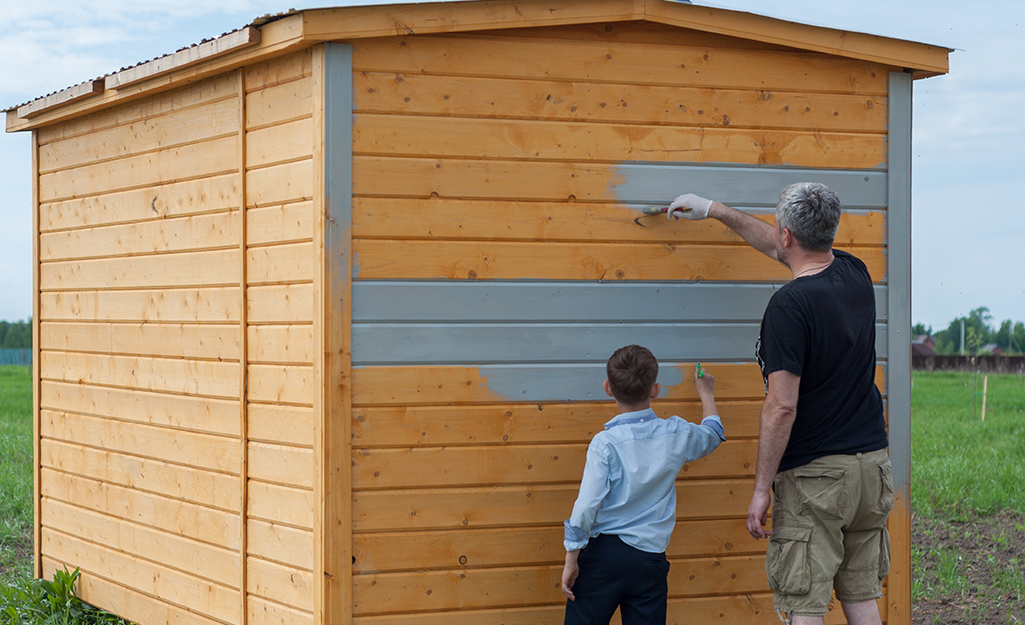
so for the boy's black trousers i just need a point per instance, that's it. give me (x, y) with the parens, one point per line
(615, 575)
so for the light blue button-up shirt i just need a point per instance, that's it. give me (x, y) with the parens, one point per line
(629, 483)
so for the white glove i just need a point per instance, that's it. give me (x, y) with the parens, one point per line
(689, 206)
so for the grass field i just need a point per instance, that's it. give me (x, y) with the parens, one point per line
(968, 495)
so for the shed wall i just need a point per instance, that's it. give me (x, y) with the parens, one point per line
(497, 263)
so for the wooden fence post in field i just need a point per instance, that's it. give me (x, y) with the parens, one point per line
(985, 384)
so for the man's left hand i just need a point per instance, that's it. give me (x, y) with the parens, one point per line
(758, 515)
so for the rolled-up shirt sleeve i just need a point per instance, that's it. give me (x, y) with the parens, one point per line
(715, 424)
(594, 486)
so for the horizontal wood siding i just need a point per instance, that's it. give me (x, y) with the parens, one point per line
(279, 339)
(499, 257)
(139, 278)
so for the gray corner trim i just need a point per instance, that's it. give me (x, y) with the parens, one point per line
(337, 142)
(898, 271)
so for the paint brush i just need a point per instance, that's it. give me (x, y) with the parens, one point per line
(658, 210)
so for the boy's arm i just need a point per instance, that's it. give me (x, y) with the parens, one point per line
(570, 572)
(594, 486)
(706, 437)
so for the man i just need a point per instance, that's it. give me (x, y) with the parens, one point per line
(822, 445)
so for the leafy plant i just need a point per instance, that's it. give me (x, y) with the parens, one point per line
(45, 602)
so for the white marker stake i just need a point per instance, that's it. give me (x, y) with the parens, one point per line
(985, 383)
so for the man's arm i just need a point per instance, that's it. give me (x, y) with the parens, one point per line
(757, 233)
(777, 418)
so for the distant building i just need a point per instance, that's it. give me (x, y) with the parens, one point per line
(923, 345)
(992, 348)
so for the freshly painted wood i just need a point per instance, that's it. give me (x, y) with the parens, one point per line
(142, 339)
(184, 590)
(188, 556)
(279, 144)
(186, 377)
(280, 344)
(196, 160)
(213, 416)
(281, 464)
(411, 218)
(280, 103)
(195, 269)
(668, 65)
(501, 424)
(286, 384)
(205, 195)
(195, 233)
(288, 425)
(511, 506)
(474, 97)
(443, 137)
(214, 305)
(280, 505)
(287, 546)
(277, 304)
(196, 486)
(80, 91)
(290, 182)
(232, 41)
(200, 451)
(277, 264)
(181, 127)
(471, 260)
(286, 223)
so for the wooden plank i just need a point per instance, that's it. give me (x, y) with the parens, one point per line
(516, 464)
(274, 423)
(465, 549)
(199, 487)
(212, 416)
(80, 91)
(280, 505)
(289, 384)
(444, 137)
(202, 560)
(290, 182)
(194, 269)
(215, 305)
(278, 70)
(410, 218)
(286, 223)
(192, 234)
(187, 377)
(279, 103)
(196, 160)
(277, 264)
(142, 339)
(281, 464)
(472, 96)
(280, 143)
(280, 304)
(196, 94)
(216, 119)
(288, 546)
(182, 518)
(184, 590)
(280, 344)
(36, 392)
(262, 611)
(408, 426)
(469, 260)
(285, 585)
(675, 65)
(200, 451)
(511, 506)
(177, 199)
(125, 602)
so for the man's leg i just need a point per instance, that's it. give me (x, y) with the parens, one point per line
(862, 613)
(805, 620)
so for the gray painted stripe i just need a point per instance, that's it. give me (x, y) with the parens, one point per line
(645, 183)
(451, 344)
(459, 300)
(898, 274)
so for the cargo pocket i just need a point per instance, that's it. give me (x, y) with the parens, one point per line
(884, 553)
(821, 491)
(886, 489)
(787, 563)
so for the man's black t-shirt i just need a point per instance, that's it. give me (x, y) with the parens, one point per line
(822, 328)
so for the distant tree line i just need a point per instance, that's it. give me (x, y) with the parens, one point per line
(978, 333)
(16, 334)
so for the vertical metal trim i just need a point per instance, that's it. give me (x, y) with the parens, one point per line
(243, 359)
(37, 494)
(898, 369)
(334, 315)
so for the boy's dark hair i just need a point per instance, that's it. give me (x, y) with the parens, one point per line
(632, 371)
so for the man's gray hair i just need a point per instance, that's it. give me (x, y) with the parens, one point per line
(811, 212)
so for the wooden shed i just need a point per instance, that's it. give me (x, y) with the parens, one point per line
(322, 305)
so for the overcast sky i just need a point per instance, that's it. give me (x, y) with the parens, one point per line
(968, 228)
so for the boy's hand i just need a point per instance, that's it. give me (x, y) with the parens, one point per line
(703, 381)
(570, 572)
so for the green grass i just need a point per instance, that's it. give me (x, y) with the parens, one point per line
(963, 467)
(15, 472)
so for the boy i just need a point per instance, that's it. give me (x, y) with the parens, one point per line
(626, 510)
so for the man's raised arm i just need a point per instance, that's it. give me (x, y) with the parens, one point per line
(757, 233)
